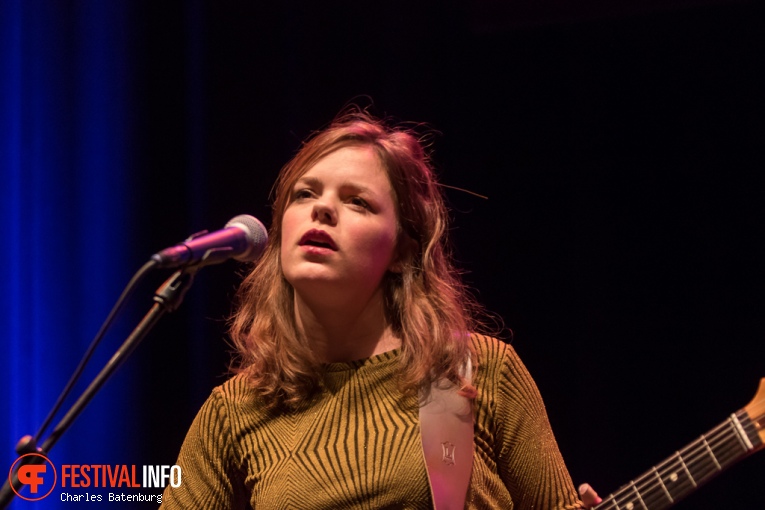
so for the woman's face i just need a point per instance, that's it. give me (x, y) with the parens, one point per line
(340, 228)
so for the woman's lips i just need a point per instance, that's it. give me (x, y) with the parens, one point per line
(318, 239)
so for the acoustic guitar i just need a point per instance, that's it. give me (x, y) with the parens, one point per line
(742, 434)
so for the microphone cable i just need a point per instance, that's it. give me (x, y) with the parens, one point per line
(126, 293)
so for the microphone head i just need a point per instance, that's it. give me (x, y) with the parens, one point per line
(256, 233)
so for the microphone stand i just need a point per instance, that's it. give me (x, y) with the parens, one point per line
(167, 298)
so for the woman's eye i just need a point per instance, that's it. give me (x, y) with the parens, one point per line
(359, 202)
(302, 193)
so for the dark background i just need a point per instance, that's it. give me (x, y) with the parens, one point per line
(621, 150)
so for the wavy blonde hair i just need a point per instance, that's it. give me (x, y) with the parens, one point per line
(427, 306)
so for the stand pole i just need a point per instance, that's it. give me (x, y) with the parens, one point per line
(167, 299)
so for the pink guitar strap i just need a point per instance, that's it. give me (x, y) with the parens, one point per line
(446, 425)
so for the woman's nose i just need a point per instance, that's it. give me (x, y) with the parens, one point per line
(324, 212)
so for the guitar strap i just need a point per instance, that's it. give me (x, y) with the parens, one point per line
(446, 425)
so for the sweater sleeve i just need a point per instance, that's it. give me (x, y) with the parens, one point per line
(529, 460)
(211, 475)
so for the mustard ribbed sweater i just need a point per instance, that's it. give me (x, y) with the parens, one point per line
(358, 445)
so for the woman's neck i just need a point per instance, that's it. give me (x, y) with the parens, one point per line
(346, 332)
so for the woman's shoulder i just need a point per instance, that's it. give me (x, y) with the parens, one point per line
(496, 358)
(235, 392)
(489, 349)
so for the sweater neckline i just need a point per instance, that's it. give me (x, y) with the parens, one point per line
(378, 359)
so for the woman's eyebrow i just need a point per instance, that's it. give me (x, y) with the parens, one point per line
(346, 186)
(309, 181)
(356, 187)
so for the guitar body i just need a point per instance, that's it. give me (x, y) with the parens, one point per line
(740, 435)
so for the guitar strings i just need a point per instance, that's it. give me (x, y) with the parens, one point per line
(652, 486)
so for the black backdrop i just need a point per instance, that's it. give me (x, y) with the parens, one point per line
(621, 150)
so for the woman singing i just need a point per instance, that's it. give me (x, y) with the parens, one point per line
(352, 326)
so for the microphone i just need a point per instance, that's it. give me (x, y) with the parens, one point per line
(243, 238)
